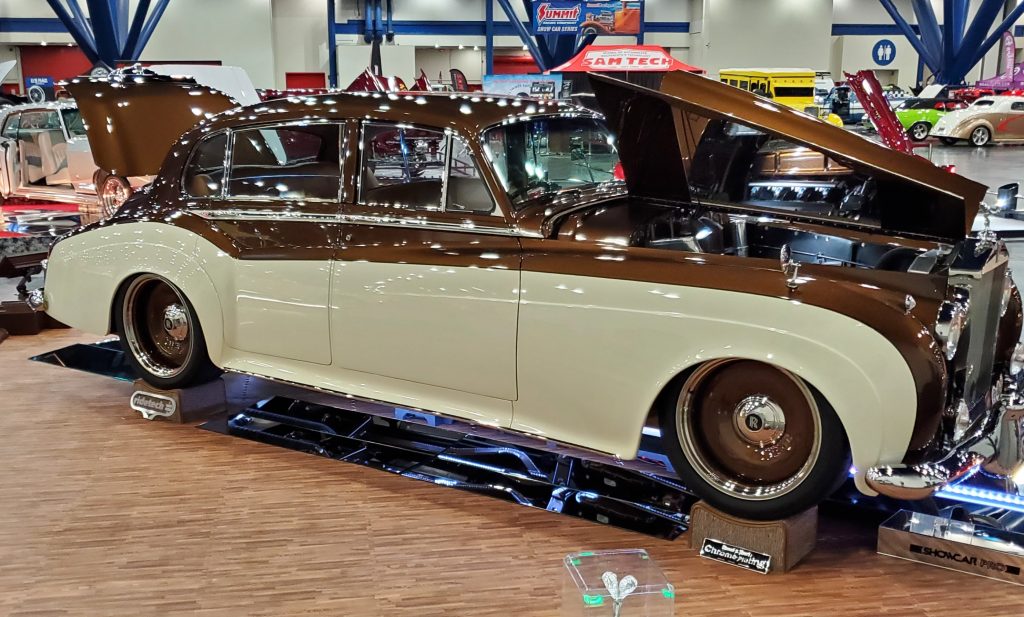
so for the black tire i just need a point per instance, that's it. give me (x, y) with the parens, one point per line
(818, 474)
(161, 358)
(949, 141)
(918, 131)
(980, 136)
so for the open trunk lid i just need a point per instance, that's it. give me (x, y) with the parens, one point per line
(133, 118)
(657, 144)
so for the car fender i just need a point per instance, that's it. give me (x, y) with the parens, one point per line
(86, 270)
(627, 341)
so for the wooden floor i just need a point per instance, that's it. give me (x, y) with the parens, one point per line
(103, 513)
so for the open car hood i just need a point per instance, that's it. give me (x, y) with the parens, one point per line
(655, 146)
(133, 119)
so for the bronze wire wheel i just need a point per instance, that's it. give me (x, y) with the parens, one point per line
(750, 430)
(158, 326)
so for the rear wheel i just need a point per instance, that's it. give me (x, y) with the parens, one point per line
(754, 440)
(980, 136)
(919, 131)
(161, 334)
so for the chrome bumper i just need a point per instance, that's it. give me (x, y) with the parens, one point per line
(998, 446)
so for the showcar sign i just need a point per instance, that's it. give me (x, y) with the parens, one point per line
(588, 18)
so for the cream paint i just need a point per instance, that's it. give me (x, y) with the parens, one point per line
(450, 327)
(593, 354)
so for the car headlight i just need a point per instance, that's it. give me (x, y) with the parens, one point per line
(951, 322)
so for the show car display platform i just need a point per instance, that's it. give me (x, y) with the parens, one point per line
(112, 503)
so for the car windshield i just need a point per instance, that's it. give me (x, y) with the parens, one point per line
(73, 120)
(543, 156)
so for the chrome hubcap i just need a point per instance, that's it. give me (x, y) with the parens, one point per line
(980, 136)
(176, 322)
(759, 420)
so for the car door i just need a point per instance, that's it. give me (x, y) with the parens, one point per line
(9, 153)
(279, 203)
(1013, 122)
(426, 283)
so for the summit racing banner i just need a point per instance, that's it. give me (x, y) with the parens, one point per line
(570, 17)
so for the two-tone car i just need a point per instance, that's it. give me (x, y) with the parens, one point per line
(990, 119)
(918, 116)
(775, 297)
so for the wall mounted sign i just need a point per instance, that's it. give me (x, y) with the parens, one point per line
(587, 17)
(884, 52)
(152, 405)
(39, 88)
(736, 556)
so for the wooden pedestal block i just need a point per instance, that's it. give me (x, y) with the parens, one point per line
(786, 541)
(183, 405)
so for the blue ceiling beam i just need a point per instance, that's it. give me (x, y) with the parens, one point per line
(927, 23)
(922, 51)
(1007, 24)
(112, 33)
(147, 29)
(524, 35)
(77, 27)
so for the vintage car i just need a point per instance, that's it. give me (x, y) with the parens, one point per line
(918, 116)
(775, 297)
(988, 119)
(44, 154)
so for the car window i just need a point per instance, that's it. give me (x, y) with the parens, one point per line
(286, 162)
(205, 170)
(466, 190)
(983, 103)
(73, 121)
(40, 120)
(402, 166)
(11, 126)
(1017, 107)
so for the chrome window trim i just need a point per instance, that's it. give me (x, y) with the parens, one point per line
(450, 135)
(342, 125)
(420, 222)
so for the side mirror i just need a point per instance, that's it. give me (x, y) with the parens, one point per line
(1006, 197)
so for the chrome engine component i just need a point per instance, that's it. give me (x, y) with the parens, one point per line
(951, 322)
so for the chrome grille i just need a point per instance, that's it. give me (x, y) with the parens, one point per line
(980, 268)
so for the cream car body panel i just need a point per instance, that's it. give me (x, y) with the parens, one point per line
(616, 344)
(449, 326)
(1003, 116)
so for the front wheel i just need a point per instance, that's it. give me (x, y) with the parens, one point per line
(161, 334)
(980, 136)
(754, 440)
(919, 131)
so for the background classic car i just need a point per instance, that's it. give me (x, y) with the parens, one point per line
(467, 256)
(918, 116)
(988, 119)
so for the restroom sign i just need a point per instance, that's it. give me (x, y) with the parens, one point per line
(884, 52)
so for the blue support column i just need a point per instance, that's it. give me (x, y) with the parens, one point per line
(950, 38)
(78, 28)
(489, 38)
(332, 46)
(973, 38)
(922, 51)
(112, 33)
(931, 36)
(524, 35)
(1007, 24)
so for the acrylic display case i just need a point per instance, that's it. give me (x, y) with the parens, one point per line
(619, 583)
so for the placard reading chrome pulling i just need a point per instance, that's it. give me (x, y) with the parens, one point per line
(735, 556)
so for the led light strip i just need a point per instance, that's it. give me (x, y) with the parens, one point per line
(982, 497)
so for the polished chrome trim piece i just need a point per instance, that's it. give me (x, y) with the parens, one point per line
(359, 219)
(131, 336)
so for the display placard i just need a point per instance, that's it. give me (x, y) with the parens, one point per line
(736, 556)
(152, 405)
(587, 17)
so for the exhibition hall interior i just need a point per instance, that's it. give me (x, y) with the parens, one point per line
(620, 308)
